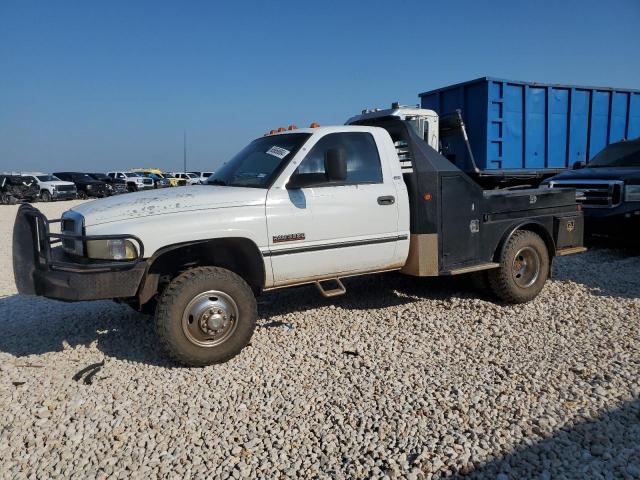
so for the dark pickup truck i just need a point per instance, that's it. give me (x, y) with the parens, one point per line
(86, 185)
(608, 189)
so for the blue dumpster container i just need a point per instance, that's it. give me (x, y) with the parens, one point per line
(545, 128)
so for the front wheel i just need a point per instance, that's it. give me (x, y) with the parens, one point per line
(524, 268)
(206, 315)
(45, 196)
(82, 195)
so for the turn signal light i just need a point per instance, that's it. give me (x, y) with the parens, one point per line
(427, 197)
(314, 125)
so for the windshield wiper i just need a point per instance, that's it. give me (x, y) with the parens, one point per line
(215, 181)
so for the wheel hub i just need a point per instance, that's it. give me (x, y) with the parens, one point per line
(210, 318)
(526, 267)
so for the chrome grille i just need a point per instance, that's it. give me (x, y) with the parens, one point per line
(65, 188)
(593, 193)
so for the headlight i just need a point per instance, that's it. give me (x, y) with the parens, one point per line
(632, 193)
(111, 249)
(89, 187)
(109, 187)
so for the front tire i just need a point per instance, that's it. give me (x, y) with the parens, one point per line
(524, 268)
(206, 315)
(45, 196)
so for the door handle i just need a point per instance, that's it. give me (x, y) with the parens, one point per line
(386, 200)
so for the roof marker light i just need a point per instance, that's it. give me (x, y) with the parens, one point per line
(281, 129)
(314, 125)
(292, 127)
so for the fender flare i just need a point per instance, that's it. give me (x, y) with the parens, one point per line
(534, 226)
(150, 279)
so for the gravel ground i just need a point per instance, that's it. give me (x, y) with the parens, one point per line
(400, 377)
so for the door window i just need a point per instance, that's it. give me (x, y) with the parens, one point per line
(360, 150)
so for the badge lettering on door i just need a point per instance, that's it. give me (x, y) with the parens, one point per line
(289, 237)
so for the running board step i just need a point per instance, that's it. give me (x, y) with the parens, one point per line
(333, 292)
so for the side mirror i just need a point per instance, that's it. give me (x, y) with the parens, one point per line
(335, 165)
(578, 165)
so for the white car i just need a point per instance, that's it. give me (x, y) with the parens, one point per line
(135, 181)
(203, 176)
(189, 178)
(52, 188)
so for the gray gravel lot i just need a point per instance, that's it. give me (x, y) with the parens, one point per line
(400, 377)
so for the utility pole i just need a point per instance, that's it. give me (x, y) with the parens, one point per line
(184, 150)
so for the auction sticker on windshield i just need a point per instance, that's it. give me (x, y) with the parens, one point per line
(278, 152)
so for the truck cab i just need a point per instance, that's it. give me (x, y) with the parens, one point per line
(304, 206)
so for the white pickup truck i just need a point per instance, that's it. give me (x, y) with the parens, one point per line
(305, 206)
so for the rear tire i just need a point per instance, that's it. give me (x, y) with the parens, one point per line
(524, 268)
(206, 315)
(45, 196)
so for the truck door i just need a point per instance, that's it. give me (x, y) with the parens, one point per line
(329, 228)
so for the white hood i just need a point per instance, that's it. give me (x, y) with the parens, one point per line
(168, 200)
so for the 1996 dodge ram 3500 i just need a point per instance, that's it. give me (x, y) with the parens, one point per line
(303, 206)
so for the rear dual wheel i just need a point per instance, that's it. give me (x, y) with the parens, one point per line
(206, 315)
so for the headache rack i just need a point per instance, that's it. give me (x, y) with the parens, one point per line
(33, 242)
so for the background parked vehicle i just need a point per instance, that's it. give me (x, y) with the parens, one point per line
(51, 187)
(158, 181)
(189, 178)
(116, 185)
(86, 185)
(173, 182)
(203, 176)
(14, 189)
(608, 189)
(135, 181)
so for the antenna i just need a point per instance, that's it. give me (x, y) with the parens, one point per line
(184, 150)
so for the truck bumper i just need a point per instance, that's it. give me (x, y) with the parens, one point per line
(622, 221)
(64, 196)
(49, 272)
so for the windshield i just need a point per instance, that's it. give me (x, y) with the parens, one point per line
(192, 175)
(621, 154)
(207, 174)
(100, 176)
(133, 174)
(48, 178)
(260, 162)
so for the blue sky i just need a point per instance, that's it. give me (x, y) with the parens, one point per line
(91, 85)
